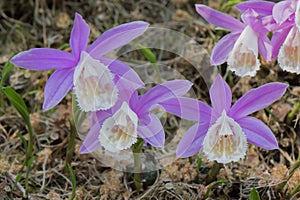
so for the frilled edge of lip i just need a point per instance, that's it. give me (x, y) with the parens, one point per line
(243, 59)
(225, 141)
(289, 61)
(119, 132)
(94, 85)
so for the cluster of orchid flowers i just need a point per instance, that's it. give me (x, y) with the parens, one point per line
(108, 88)
(260, 21)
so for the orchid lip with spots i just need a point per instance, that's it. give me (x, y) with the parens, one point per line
(117, 129)
(93, 84)
(222, 131)
(85, 67)
(241, 47)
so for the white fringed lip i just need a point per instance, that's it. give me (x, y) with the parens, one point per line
(119, 131)
(243, 59)
(225, 141)
(94, 86)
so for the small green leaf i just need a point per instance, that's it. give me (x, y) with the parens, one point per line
(294, 191)
(17, 101)
(293, 168)
(231, 3)
(152, 59)
(8, 67)
(213, 185)
(254, 195)
(24, 141)
(148, 54)
(199, 162)
(64, 46)
(18, 178)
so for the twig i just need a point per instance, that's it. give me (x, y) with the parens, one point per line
(44, 173)
(54, 170)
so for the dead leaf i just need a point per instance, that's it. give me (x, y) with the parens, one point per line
(42, 155)
(63, 20)
(181, 15)
(280, 110)
(252, 158)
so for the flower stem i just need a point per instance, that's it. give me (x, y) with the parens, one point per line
(156, 69)
(71, 144)
(291, 171)
(230, 79)
(137, 149)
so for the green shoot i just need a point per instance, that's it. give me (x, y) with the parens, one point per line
(229, 4)
(213, 185)
(291, 115)
(8, 67)
(152, 59)
(71, 144)
(19, 104)
(199, 162)
(254, 195)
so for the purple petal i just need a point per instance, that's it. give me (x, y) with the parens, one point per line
(57, 86)
(177, 87)
(223, 48)
(91, 141)
(220, 95)
(44, 59)
(160, 93)
(265, 47)
(123, 70)
(117, 37)
(187, 108)
(126, 94)
(126, 90)
(252, 18)
(218, 18)
(261, 7)
(192, 141)
(257, 99)
(102, 115)
(269, 23)
(258, 133)
(277, 40)
(152, 132)
(282, 11)
(79, 35)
